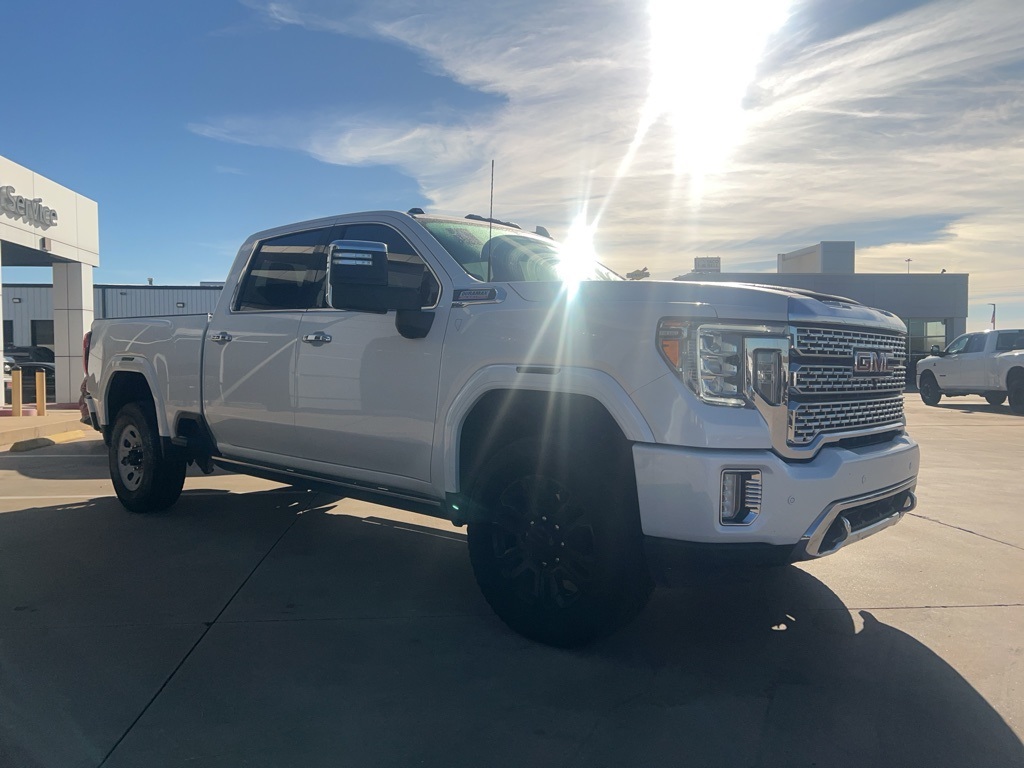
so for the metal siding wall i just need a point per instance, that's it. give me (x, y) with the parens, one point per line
(36, 304)
(143, 301)
(131, 301)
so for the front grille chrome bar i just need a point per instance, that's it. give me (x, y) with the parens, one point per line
(844, 382)
(809, 420)
(843, 342)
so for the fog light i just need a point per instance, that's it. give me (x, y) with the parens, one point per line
(741, 496)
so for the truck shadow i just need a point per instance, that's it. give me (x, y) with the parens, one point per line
(335, 630)
(88, 461)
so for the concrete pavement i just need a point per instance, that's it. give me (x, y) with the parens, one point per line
(255, 625)
(15, 429)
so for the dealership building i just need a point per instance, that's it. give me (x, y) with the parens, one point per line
(933, 306)
(43, 224)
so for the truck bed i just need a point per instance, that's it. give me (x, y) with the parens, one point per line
(167, 350)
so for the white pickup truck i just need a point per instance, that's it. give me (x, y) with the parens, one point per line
(987, 363)
(592, 432)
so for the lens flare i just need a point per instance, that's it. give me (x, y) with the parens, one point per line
(577, 253)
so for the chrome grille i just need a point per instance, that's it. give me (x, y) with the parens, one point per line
(820, 379)
(807, 421)
(827, 397)
(841, 342)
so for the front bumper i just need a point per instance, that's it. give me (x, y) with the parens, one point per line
(804, 504)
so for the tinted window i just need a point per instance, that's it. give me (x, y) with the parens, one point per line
(286, 272)
(405, 267)
(1007, 339)
(958, 344)
(976, 343)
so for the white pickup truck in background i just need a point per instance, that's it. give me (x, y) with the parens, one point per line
(987, 363)
(591, 432)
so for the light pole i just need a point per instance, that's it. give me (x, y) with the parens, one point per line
(993, 315)
(908, 265)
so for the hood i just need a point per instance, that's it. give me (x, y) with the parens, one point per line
(729, 301)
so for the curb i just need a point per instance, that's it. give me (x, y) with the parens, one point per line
(42, 442)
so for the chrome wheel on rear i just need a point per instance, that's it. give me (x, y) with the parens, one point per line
(130, 457)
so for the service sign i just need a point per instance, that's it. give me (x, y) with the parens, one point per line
(31, 211)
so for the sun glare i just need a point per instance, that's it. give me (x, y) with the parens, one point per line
(577, 254)
(704, 56)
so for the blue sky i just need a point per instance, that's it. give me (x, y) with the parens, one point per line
(675, 129)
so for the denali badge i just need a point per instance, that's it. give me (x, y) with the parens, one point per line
(865, 362)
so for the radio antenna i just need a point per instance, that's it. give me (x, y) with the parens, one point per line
(490, 223)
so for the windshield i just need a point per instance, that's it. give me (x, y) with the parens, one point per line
(498, 254)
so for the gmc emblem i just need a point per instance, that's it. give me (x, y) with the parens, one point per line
(867, 362)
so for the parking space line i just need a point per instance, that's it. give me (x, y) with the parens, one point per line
(49, 496)
(30, 455)
(187, 494)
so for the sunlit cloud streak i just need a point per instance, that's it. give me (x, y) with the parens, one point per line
(919, 114)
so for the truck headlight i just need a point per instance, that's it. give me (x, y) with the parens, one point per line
(719, 366)
(727, 364)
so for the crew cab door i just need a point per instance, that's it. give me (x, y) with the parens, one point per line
(250, 352)
(947, 368)
(972, 368)
(367, 395)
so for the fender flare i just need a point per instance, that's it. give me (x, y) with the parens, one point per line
(565, 380)
(132, 363)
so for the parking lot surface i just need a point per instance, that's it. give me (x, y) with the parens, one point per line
(257, 625)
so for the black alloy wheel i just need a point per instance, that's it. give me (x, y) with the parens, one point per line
(930, 392)
(559, 557)
(1017, 396)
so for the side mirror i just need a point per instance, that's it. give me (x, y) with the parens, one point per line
(936, 350)
(357, 279)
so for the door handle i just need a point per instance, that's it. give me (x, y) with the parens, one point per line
(317, 338)
(222, 336)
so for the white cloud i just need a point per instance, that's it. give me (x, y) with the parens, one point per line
(918, 115)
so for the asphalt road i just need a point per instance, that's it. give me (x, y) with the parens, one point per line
(259, 626)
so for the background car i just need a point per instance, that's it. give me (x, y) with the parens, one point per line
(29, 354)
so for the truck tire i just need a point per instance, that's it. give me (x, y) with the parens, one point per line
(995, 398)
(930, 392)
(556, 545)
(144, 479)
(1017, 396)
